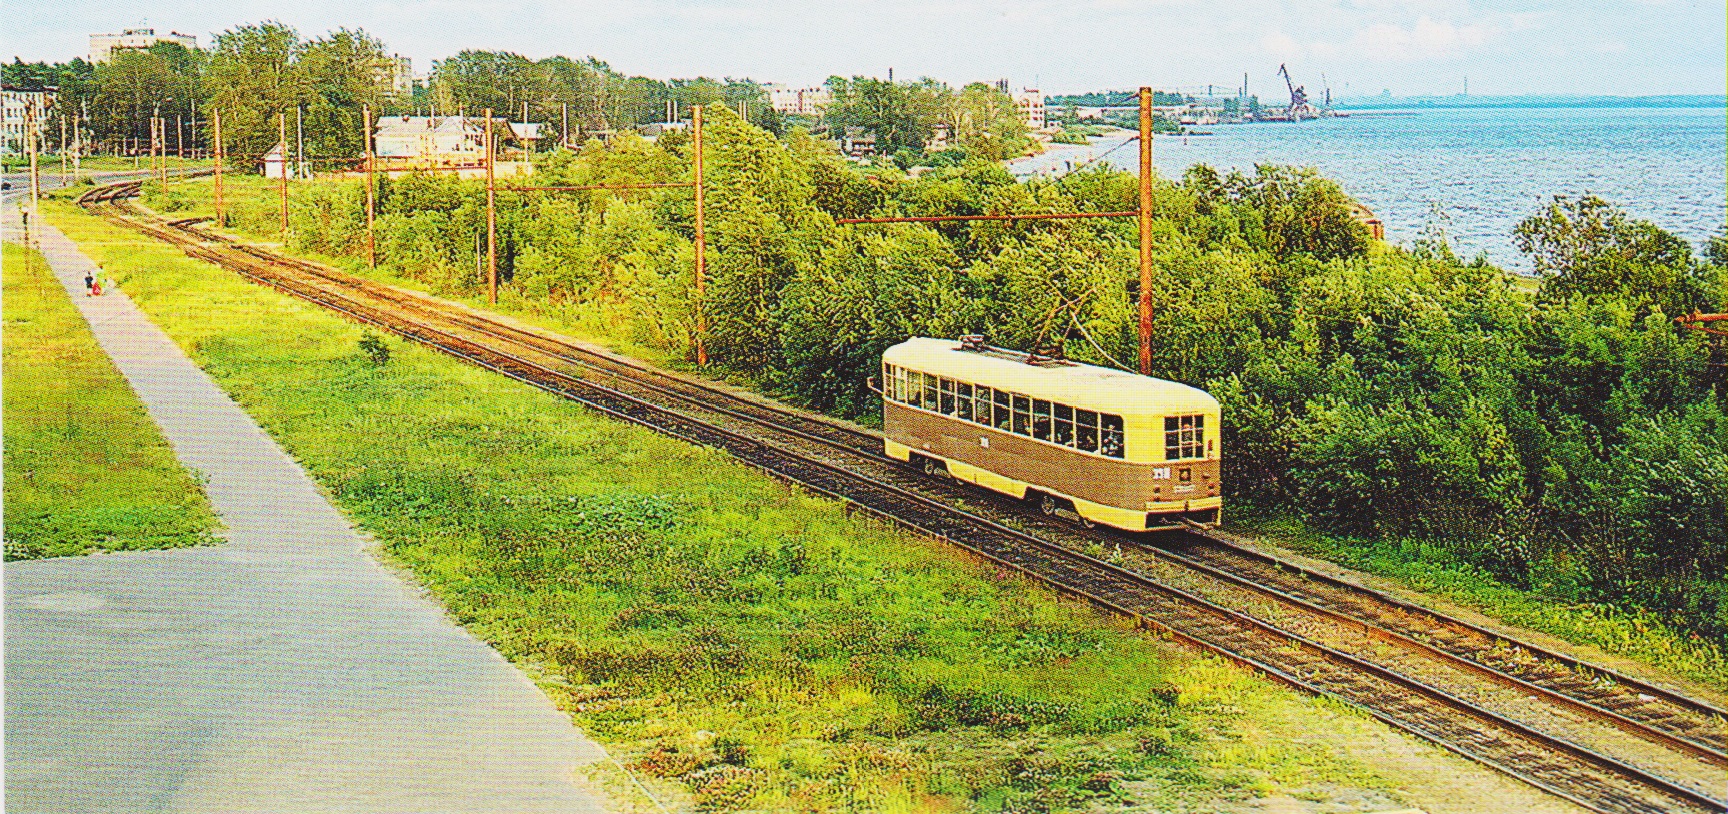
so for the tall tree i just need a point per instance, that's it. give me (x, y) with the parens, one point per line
(253, 77)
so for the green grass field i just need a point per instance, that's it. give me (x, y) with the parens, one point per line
(1640, 637)
(86, 470)
(735, 642)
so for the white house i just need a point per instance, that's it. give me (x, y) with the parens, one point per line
(19, 107)
(429, 141)
(103, 46)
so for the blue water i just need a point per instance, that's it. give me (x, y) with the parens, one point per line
(1476, 173)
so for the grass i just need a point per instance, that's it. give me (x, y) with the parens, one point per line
(1630, 634)
(1436, 570)
(86, 470)
(736, 643)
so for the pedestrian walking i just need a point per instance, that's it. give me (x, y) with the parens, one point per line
(89, 284)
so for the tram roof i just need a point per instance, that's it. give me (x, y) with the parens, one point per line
(1073, 383)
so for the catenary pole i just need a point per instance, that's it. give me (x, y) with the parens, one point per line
(491, 218)
(282, 182)
(701, 247)
(371, 204)
(216, 123)
(30, 138)
(1146, 231)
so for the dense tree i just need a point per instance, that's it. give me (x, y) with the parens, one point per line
(253, 78)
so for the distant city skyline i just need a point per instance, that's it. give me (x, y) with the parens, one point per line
(1360, 47)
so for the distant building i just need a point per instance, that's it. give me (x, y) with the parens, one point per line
(428, 142)
(446, 142)
(787, 100)
(16, 106)
(274, 162)
(857, 142)
(398, 72)
(940, 136)
(1030, 102)
(102, 46)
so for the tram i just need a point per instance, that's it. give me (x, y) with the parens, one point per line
(1128, 451)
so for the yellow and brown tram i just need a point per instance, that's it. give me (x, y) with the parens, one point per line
(1128, 451)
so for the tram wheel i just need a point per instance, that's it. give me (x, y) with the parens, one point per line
(1048, 505)
(934, 469)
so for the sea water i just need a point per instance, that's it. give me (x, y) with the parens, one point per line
(1474, 173)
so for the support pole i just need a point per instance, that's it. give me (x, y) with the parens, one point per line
(30, 117)
(564, 132)
(701, 247)
(179, 138)
(1146, 231)
(216, 122)
(282, 181)
(371, 205)
(491, 218)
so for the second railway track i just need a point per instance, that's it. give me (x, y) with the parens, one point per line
(1307, 629)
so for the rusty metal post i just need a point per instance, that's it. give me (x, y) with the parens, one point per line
(701, 247)
(216, 123)
(491, 218)
(282, 133)
(371, 208)
(1146, 231)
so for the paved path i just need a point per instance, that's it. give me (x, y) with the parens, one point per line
(284, 671)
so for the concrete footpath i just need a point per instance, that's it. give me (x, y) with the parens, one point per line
(284, 671)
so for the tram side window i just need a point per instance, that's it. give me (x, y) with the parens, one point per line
(1022, 415)
(963, 401)
(1002, 410)
(1086, 430)
(1184, 437)
(981, 404)
(1041, 419)
(946, 403)
(1064, 425)
(930, 384)
(1110, 436)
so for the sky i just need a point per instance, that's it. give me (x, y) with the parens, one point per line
(1357, 47)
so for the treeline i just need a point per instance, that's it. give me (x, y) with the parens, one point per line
(1572, 439)
(254, 73)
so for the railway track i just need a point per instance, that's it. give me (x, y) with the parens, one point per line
(1416, 669)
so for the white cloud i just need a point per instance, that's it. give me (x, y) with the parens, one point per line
(1427, 39)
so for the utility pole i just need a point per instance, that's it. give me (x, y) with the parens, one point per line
(701, 247)
(371, 245)
(179, 138)
(491, 219)
(299, 139)
(63, 153)
(30, 116)
(216, 122)
(564, 132)
(1146, 231)
(282, 180)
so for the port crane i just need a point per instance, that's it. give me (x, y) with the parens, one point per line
(1300, 107)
